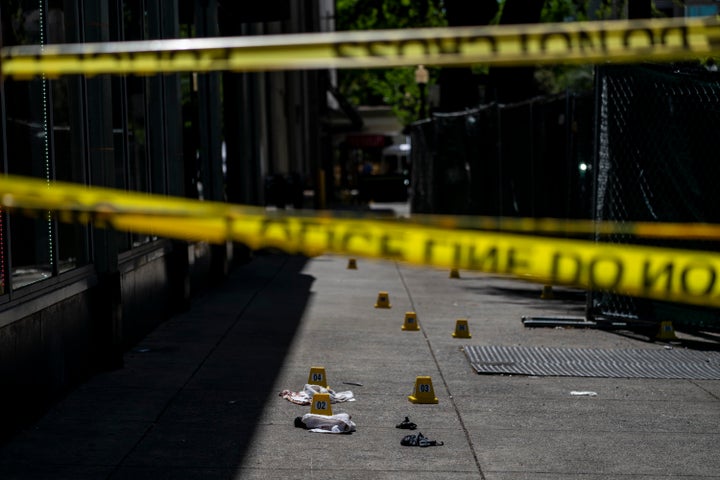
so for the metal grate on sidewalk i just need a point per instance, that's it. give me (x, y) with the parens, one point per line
(613, 363)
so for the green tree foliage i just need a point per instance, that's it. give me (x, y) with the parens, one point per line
(381, 14)
(395, 87)
(564, 10)
(559, 78)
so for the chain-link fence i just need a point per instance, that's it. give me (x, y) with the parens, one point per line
(527, 159)
(657, 160)
(643, 147)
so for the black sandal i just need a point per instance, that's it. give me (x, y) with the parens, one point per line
(425, 442)
(419, 440)
(410, 441)
(406, 424)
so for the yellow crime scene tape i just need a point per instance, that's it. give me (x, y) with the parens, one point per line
(575, 227)
(81, 203)
(677, 275)
(665, 274)
(503, 45)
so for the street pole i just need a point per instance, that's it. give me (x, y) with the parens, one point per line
(422, 76)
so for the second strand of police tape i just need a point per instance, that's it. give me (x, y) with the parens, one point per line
(684, 276)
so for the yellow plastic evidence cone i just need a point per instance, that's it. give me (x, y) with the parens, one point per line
(321, 404)
(666, 331)
(547, 293)
(383, 300)
(410, 322)
(317, 377)
(352, 264)
(424, 392)
(462, 330)
(454, 273)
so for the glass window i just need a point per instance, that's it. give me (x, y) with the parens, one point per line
(69, 161)
(138, 167)
(44, 139)
(3, 271)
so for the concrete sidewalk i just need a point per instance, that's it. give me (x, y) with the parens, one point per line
(198, 398)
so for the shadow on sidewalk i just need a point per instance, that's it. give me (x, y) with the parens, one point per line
(191, 394)
(211, 422)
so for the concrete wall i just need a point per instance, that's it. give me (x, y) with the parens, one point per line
(42, 354)
(145, 294)
(65, 341)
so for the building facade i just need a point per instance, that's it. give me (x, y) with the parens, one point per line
(74, 297)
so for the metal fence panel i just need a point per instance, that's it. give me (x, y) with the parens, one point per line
(505, 160)
(657, 161)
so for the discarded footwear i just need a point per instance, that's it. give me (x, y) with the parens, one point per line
(419, 440)
(406, 424)
(426, 442)
(410, 441)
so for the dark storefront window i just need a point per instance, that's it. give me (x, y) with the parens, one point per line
(128, 20)
(134, 24)
(43, 139)
(59, 129)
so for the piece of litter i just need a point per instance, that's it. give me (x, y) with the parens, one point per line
(358, 384)
(583, 394)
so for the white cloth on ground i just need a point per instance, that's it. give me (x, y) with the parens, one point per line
(304, 397)
(338, 423)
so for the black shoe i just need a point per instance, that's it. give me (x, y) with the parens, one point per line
(410, 440)
(406, 424)
(426, 442)
(419, 440)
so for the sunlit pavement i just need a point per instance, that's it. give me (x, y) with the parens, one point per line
(198, 398)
